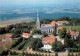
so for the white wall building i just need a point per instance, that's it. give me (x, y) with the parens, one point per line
(62, 22)
(47, 43)
(26, 35)
(37, 36)
(47, 47)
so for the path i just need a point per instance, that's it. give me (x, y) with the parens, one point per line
(31, 51)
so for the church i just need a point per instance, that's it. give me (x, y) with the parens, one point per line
(48, 28)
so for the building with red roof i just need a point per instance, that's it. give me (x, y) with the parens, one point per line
(53, 23)
(26, 35)
(8, 36)
(62, 22)
(59, 28)
(49, 28)
(47, 42)
(74, 34)
(45, 25)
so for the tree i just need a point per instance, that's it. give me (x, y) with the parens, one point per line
(68, 53)
(5, 52)
(36, 44)
(36, 54)
(46, 21)
(2, 30)
(26, 54)
(64, 18)
(24, 30)
(42, 54)
(49, 55)
(39, 54)
(16, 31)
(79, 54)
(36, 31)
(68, 42)
(45, 34)
(56, 54)
(8, 28)
(72, 54)
(54, 33)
(62, 33)
(57, 46)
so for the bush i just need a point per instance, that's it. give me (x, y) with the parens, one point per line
(79, 54)
(45, 34)
(68, 53)
(56, 54)
(5, 52)
(72, 54)
(36, 31)
(13, 53)
(73, 50)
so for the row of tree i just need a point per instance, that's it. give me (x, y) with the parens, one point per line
(16, 42)
(16, 28)
(29, 54)
(73, 21)
(22, 44)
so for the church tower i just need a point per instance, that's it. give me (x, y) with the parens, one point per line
(38, 22)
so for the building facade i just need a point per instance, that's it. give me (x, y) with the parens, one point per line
(26, 35)
(47, 42)
(48, 28)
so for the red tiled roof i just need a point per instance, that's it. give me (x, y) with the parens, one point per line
(73, 32)
(53, 23)
(45, 24)
(8, 35)
(26, 34)
(60, 28)
(50, 39)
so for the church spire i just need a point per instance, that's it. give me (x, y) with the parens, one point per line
(38, 22)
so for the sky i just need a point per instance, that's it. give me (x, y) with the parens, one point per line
(38, 2)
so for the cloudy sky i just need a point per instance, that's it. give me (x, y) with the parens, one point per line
(37, 2)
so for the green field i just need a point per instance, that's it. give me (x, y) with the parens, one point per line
(73, 27)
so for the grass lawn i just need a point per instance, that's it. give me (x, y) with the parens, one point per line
(14, 40)
(2, 35)
(1, 47)
(73, 27)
